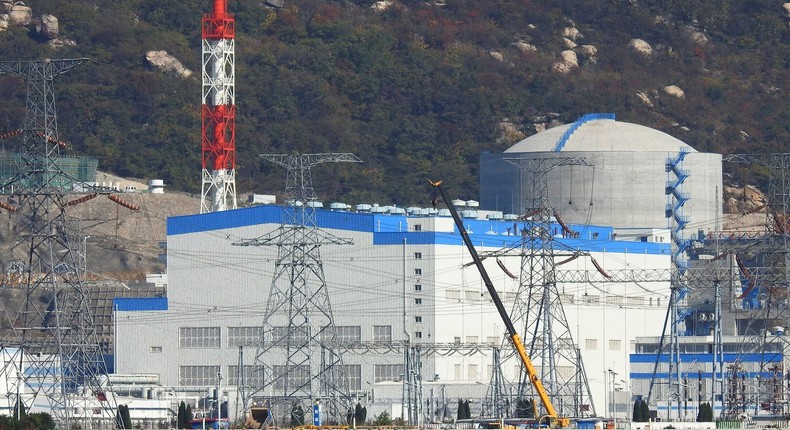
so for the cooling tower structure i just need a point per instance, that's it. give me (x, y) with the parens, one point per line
(627, 183)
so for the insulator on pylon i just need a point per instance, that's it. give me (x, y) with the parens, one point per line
(7, 207)
(82, 199)
(10, 133)
(52, 140)
(569, 259)
(600, 269)
(504, 269)
(122, 202)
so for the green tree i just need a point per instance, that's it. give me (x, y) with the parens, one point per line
(705, 413)
(645, 412)
(297, 415)
(382, 419)
(525, 408)
(360, 414)
(188, 416)
(122, 417)
(636, 416)
(182, 411)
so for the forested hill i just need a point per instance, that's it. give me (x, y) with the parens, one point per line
(415, 89)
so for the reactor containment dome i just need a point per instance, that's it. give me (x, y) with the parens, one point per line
(632, 177)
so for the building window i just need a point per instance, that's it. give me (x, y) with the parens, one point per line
(591, 344)
(418, 334)
(457, 340)
(198, 375)
(471, 372)
(418, 271)
(344, 334)
(418, 319)
(382, 333)
(199, 337)
(289, 333)
(417, 301)
(457, 372)
(418, 287)
(156, 350)
(418, 255)
(472, 296)
(417, 227)
(253, 376)
(387, 372)
(453, 294)
(471, 339)
(493, 340)
(614, 344)
(291, 378)
(353, 375)
(243, 336)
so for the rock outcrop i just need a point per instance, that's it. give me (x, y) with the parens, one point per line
(526, 48)
(46, 27)
(674, 91)
(167, 63)
(641, 47)
(20, 15)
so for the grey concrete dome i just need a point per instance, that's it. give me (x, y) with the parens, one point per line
(601, 135)
(623, 185)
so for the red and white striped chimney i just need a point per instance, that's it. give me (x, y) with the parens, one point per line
(218, 140)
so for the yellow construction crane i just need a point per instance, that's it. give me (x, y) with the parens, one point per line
(551, 413)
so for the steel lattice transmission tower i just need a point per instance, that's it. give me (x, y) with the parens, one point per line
(50, 350)
(298, 351)
(765, 271)
(538, 307)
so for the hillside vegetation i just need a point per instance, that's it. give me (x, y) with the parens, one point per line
(416, 90)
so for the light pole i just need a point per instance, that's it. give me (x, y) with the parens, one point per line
(612, 375)
(85, 253)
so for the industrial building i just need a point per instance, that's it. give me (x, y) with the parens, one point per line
(406, 275)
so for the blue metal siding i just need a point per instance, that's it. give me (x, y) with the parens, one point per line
(392, 229)
(140, 304)
(708, 358)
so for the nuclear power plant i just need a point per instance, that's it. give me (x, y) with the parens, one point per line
(593, 275)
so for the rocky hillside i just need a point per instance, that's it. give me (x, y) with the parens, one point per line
(416, 89)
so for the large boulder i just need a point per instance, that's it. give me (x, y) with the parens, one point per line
(644, 98)
(675, 91)
(786, 7)
(20, 15)
(47, 27)
(572, 33)
(569, 62)
(4, 22)
(167, 63)
(641, 47)
(526, 48)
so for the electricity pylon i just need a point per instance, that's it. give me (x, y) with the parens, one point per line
(538, 308)
(50, 349)
(298, 351)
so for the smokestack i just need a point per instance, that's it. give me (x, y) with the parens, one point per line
(218, 141)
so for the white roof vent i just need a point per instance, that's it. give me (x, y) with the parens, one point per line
(472, 204)
(363, 208)
(444, 213)
(337, 206)
(156, 186)
(510, 217)
(315, 204)
(459, 203)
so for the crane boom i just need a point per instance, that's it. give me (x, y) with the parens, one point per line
(511, 329)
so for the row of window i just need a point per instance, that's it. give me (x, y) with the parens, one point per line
(211, 337)
(293, 380)
(614, 344)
